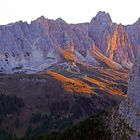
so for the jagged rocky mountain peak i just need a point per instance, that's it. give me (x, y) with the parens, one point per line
(102, 17)
(60, 20)
(31, 43)
(41, 19)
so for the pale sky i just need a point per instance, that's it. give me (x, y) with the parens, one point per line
(72, 11)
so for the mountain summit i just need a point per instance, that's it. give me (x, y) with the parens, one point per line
(102, 17)
(62, 73)
(29, 46)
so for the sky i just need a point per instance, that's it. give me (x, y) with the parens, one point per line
(72, 11)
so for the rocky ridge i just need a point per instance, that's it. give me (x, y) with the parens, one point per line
(126, 122)
(36, 46)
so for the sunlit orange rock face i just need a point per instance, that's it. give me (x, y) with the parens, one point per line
(67, 54)
(113, 42)
(96, 52)
(117, 45)
(73, 85)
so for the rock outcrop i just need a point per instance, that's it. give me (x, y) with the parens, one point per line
(127, 122)
(35, 46)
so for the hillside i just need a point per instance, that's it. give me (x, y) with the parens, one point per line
(53, 75)
(118, 123)
(60, 97)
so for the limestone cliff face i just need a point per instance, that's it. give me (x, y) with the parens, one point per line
(112, 39)
(129, 109)
(30, 46)
(119, 47)
(36, 46)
